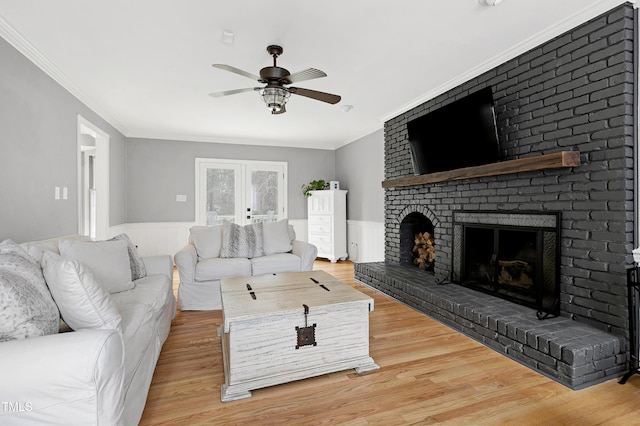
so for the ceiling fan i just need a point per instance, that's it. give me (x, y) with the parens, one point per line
(275, 94)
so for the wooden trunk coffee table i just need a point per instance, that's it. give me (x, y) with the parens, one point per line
(289, 326)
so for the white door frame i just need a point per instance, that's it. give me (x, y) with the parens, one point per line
(244, 165)
(84, 126)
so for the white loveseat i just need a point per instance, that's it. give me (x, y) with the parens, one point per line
(98, 375)
(228, 250)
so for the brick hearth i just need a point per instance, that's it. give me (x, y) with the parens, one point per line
(572, 353)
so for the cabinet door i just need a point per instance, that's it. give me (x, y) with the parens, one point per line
(320, 202)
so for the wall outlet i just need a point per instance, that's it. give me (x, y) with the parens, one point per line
(181, 198)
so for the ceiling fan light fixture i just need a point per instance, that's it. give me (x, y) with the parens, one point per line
(275, 98)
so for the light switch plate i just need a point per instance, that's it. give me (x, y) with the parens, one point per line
(57, 193)
(65, 193)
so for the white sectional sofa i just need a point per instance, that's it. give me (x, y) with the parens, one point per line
(228, 250)
(100, 373)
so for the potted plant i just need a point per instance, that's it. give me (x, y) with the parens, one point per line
(314, 185)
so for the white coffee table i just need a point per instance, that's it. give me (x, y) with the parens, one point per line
(267, 339)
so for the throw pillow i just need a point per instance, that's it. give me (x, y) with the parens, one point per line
(107, 260)
(36, 248)
(26, 306)
(242, 241)
(83, 303)
(207, 240)
(276, 237)
(138, 270)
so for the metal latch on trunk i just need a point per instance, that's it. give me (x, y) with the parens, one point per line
(306, 334)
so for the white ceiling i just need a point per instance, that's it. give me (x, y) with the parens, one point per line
(145, 65)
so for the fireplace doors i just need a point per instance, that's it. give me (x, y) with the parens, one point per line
(514, 256)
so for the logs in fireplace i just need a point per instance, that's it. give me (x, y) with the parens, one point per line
(518, 273)
(424, 250)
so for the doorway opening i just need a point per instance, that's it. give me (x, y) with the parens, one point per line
(92, 180)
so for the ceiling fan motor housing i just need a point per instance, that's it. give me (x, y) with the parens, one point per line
(274, 74)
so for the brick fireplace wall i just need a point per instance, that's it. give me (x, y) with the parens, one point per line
(575, 92)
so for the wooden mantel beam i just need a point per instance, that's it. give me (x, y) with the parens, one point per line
(555, 160)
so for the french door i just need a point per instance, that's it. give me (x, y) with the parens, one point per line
(240, 191)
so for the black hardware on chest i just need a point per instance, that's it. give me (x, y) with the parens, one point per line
(306, 334)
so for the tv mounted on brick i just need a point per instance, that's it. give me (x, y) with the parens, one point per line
(457, 135)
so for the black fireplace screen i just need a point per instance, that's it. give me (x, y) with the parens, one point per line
(513, 256)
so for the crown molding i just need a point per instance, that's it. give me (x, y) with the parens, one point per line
(185, 137)
(22, 45)
(561, 27)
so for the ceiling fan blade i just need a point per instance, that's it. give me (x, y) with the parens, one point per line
(304, 75)
(233, 92)
(236, 71)
(314, 94)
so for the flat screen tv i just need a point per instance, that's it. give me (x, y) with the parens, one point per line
(457, 135)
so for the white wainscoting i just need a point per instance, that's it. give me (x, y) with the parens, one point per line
(156, 238)
(365, 240)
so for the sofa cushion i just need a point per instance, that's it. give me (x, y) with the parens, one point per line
(242, 241)
(26, 306)
(273, 263)
(215, 269)
(276, 237)
(36, 248)
(107, 260)
(153, 291)
(83, 302)
(138, 334)
(136, 264)
(207, 240)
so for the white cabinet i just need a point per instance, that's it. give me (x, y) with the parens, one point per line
(327, 211)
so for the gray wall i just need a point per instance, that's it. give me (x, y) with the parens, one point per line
(360, 169)
(158, 170)
(38, 118)
(38, 152)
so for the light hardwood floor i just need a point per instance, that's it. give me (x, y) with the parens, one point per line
(428, 374)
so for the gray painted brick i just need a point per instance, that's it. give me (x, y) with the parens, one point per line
(564, 94)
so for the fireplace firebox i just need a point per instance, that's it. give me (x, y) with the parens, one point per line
(514, 256)
(413, 225)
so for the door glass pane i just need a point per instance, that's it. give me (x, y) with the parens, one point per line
(221, 195)
(264, 195)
